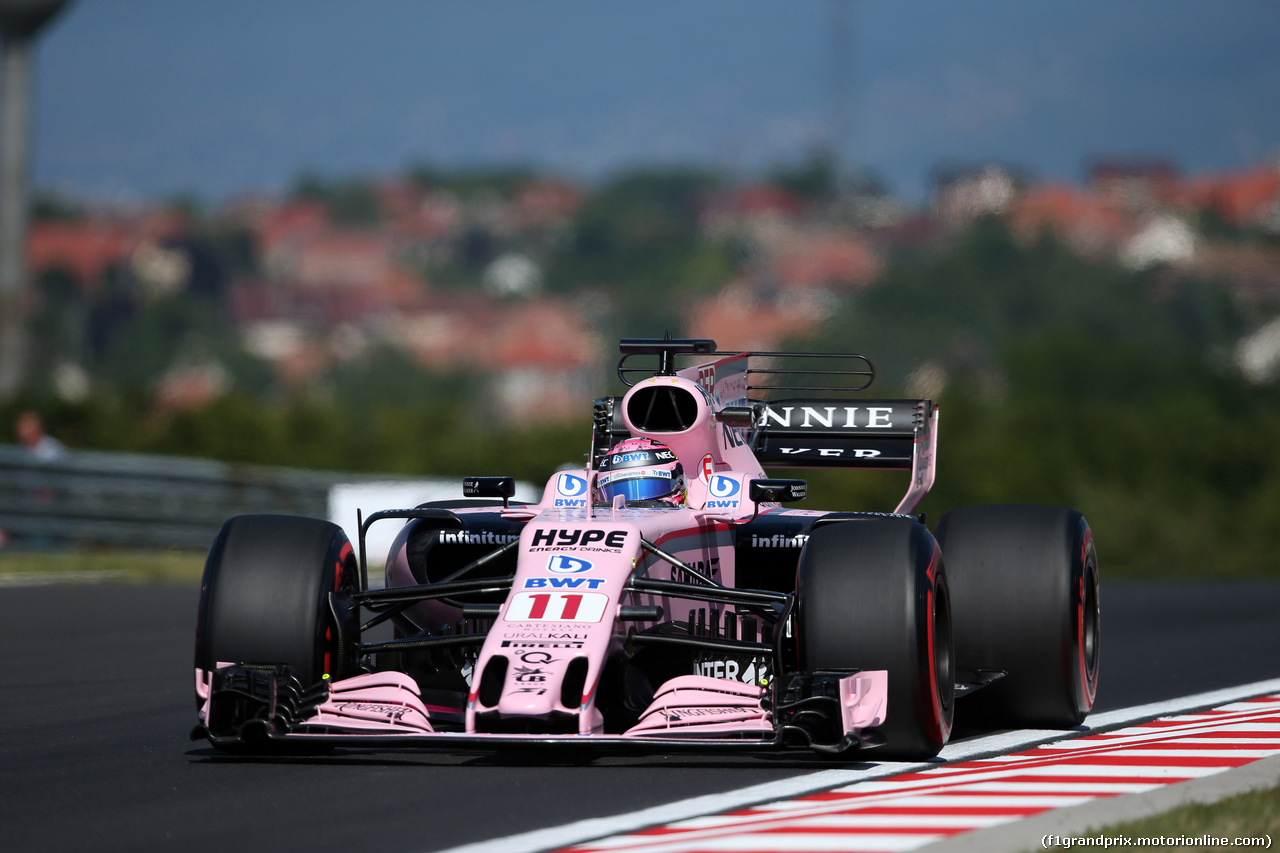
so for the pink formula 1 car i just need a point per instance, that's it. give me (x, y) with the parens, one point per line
(661, 597)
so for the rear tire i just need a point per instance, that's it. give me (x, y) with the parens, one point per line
(1025, 593)
(873, 594)
(265, 599)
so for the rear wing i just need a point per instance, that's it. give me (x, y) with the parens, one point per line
(826, 433)
(818, 429)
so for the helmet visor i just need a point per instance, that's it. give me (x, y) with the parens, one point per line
(637, 485)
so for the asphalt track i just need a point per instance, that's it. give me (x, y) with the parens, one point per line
(96, 703)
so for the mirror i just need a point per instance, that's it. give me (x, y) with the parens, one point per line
(778, 491)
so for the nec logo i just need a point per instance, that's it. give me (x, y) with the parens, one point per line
(554, 537)
(723, 492)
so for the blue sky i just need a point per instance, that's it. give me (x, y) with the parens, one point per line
(140, 98)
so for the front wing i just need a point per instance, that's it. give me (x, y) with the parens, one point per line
(248, 706)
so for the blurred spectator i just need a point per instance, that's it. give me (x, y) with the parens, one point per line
(31, 435)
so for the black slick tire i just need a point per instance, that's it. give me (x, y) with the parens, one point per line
(872, 594)
(1025, 597)
(265, 597)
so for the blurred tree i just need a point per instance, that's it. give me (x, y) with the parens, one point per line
(473, 184)
(816, 178)
(234, 247)
(147, 344)
(52, 207)
(1078, 382)
(474, 249)
(58, 327)
(957, 308)
(637, 239)
(351, 202)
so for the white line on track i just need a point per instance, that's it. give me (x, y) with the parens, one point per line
(825, 780)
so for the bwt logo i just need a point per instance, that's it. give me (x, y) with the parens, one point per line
(563, 565)
(563, 583)
(572, 489)
(724, 487)
(571, 486)
(723, 492)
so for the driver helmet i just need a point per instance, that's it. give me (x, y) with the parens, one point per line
(641, 469)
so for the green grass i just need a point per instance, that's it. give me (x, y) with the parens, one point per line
(1249, 815)
(172, 566)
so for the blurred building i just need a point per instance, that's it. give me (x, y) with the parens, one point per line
(314, 290)
(1250, 197)
(1135, 184)
(1087, 222)
(962, 194)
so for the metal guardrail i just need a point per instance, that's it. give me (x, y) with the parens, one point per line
(88, 498)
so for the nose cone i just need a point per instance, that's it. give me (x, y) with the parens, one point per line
(531, 689)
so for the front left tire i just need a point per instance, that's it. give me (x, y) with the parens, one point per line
(873, 594)
(276, 590)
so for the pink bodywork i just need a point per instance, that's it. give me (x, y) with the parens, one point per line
(574, 564)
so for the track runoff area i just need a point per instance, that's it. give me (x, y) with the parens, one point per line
(972, 798)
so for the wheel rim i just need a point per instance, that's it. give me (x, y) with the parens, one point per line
(1091, 625)
(943, 665)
